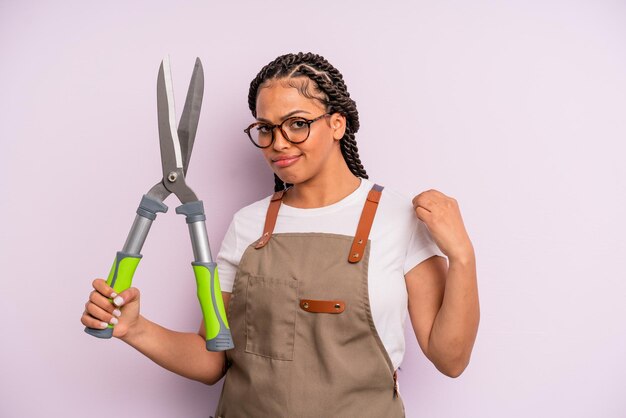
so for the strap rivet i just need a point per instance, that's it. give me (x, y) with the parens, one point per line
(266, 234)
(355, 255)
(305, 305)
(337, 306)
(360, 241)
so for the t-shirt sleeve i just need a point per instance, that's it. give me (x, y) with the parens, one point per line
(421, 245)
(227, 259)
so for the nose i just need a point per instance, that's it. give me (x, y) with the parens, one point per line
(280, 141)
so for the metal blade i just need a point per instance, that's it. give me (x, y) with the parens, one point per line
(159, 192)
(171, 156)
(191, 113)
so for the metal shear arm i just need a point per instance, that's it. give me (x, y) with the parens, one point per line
(218, 337)
(126, 261)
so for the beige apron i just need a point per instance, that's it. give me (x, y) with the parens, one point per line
(305, 341)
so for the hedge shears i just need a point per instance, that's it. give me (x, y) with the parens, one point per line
(176, 147)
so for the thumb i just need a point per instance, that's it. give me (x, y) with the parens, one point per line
(128, 295)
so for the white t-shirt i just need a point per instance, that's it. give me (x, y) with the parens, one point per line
(399, 242)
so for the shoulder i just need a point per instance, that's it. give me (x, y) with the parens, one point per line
(394, 214)
(250, 218)
(254, 207)
(395, 203)
(396, 198)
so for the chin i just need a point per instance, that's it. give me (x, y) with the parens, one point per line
(290, 178)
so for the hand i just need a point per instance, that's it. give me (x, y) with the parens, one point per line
(123, 313)
(442, 216)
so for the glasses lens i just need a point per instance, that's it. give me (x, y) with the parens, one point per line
(261, 134)
(297, 129)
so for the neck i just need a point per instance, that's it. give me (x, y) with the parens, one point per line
(323, 189)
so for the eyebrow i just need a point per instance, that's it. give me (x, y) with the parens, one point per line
(285, 116)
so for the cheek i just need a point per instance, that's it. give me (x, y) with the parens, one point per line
(325, 147)
(321, 144)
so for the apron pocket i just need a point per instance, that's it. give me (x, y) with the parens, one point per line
(271, 305)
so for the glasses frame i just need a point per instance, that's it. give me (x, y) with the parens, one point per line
(280, 125)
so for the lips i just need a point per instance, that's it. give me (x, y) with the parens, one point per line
(285, 160)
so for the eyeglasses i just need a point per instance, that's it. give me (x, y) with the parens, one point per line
(295, 130)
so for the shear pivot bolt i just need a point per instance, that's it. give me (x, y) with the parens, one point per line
(171, 177)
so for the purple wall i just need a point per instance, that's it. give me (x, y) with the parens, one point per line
(515, 109)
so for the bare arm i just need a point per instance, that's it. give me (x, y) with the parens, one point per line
(183, 353)
(444, 311)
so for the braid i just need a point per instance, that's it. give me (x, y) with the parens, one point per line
(328, 81)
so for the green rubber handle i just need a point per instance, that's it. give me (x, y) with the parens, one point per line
(120, 278)
(218, 337)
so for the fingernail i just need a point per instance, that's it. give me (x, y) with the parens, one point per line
(113, 321)
(113, 294)
(117, 312)
(118, 301)
(103, 325)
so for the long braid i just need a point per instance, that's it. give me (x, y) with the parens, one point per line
(329, 81)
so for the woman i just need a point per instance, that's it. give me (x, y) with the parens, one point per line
(317, 277)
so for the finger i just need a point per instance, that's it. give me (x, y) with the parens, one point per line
(434, 195)
(422, 197)
(101, 301)
(437, 193)
(100, 314)
(101, 286)
(423, 214)
(91, 322)
(425, 201)
(128, 295)
(116, 312)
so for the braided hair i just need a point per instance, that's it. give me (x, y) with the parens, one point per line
(326, 81)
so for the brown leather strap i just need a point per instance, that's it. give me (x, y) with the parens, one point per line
(324, 306)
(365, 224)
(270, 219)
(395, 383)
(362, 231)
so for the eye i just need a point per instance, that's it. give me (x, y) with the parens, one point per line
(264, 129)
(298, 124)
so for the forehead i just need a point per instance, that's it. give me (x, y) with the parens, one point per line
(278, 98)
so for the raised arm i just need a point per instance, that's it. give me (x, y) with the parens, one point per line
(444, 312)
(443, 299)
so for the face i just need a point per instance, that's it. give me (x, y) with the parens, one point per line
(316, 156)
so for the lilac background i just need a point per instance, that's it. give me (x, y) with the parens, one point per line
(514, 108)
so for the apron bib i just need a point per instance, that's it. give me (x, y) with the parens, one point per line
(305, 341)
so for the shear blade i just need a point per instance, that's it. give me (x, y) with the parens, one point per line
(175, 150)
(171, 155)
(188, 124)
(177, 145)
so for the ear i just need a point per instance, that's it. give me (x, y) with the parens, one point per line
(338, 125)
